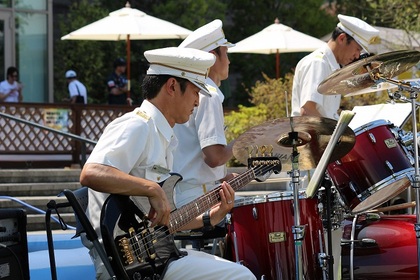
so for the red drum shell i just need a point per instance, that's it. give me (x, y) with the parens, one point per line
(258, 227)
(394, 256)
(374, 171)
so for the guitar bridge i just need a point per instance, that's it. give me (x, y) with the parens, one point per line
(124, 243)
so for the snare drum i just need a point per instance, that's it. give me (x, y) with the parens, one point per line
(387, 248)
(374, 171)
(261, 238)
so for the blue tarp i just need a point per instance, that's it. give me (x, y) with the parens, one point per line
(71, 257)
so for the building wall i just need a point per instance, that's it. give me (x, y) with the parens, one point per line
(28, 46)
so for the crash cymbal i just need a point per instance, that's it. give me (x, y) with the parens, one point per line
(381, 87)
(355, 76)
(313, 135)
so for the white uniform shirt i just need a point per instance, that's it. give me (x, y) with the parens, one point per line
(77, 88)
(6, 87)
(204, 128)
(310, 72)
(133, 143)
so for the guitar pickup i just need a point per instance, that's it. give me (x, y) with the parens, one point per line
(148, 242)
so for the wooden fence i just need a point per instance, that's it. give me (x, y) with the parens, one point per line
(23, 145)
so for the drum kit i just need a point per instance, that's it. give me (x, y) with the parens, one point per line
(282, 235)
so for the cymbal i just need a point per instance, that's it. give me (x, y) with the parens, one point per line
(355, 76)
(313, 135)
(380, 87)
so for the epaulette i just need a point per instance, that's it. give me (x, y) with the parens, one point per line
(143, 115)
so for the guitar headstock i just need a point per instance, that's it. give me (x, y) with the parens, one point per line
(264, 166)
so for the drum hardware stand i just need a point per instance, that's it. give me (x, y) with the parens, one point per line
(322, 257)
(330, 258)
(416, 180)
(353, 229)
(297, 230)
(352, 241)
(398, 96)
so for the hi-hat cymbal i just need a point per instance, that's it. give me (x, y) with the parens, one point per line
(355, 76)
(313, 135)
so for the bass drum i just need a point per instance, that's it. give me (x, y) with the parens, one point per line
(260, 236)
(385, 247)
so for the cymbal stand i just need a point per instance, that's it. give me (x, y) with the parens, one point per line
(413, 90)
(416, 182)
(297, 230)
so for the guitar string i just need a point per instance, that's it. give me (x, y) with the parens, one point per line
(149, 242)
(214, 196)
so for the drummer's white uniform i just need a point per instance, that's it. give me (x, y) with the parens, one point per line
(204, 128)
(145, 142)
(310, 72)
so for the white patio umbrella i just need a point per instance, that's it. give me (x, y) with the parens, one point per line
(128, 24)
(275, 39)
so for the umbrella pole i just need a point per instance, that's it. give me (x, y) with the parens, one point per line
(128, 69)
(277, 64)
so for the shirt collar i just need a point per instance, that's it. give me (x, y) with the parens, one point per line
(331, 58)
(158, 118)
(214, 90)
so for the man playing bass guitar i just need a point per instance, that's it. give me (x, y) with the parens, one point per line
(134, 153)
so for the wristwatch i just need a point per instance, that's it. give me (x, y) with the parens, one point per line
(206, 221)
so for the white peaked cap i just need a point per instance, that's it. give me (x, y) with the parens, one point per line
(208, 37)
(364, 34)
(190, 64)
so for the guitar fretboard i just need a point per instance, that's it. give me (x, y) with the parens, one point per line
(185, 214)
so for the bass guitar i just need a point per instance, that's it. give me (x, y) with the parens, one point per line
(140, 252)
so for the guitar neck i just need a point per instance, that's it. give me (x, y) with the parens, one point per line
(185, 214)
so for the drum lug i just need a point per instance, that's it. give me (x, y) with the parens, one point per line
(417, 229)
(372, 217)
(323, 261)
(389, 165)
(298, 232)
(372, 137)
(255, 213)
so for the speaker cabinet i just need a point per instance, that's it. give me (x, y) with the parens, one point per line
(14, 264)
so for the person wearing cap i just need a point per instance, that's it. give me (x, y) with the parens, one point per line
(118, 85)
(77, 90)
(10, 88)
(203, 151)
(134, 153)
(350, 39)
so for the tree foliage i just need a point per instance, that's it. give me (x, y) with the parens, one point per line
(248, 17)
(92, 60)
(270, 99)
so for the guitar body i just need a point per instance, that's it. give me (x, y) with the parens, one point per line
(142, 253)
(139, 252)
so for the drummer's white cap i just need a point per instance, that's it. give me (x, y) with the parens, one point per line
(187, 63)
(364, 34)
(208, 37)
